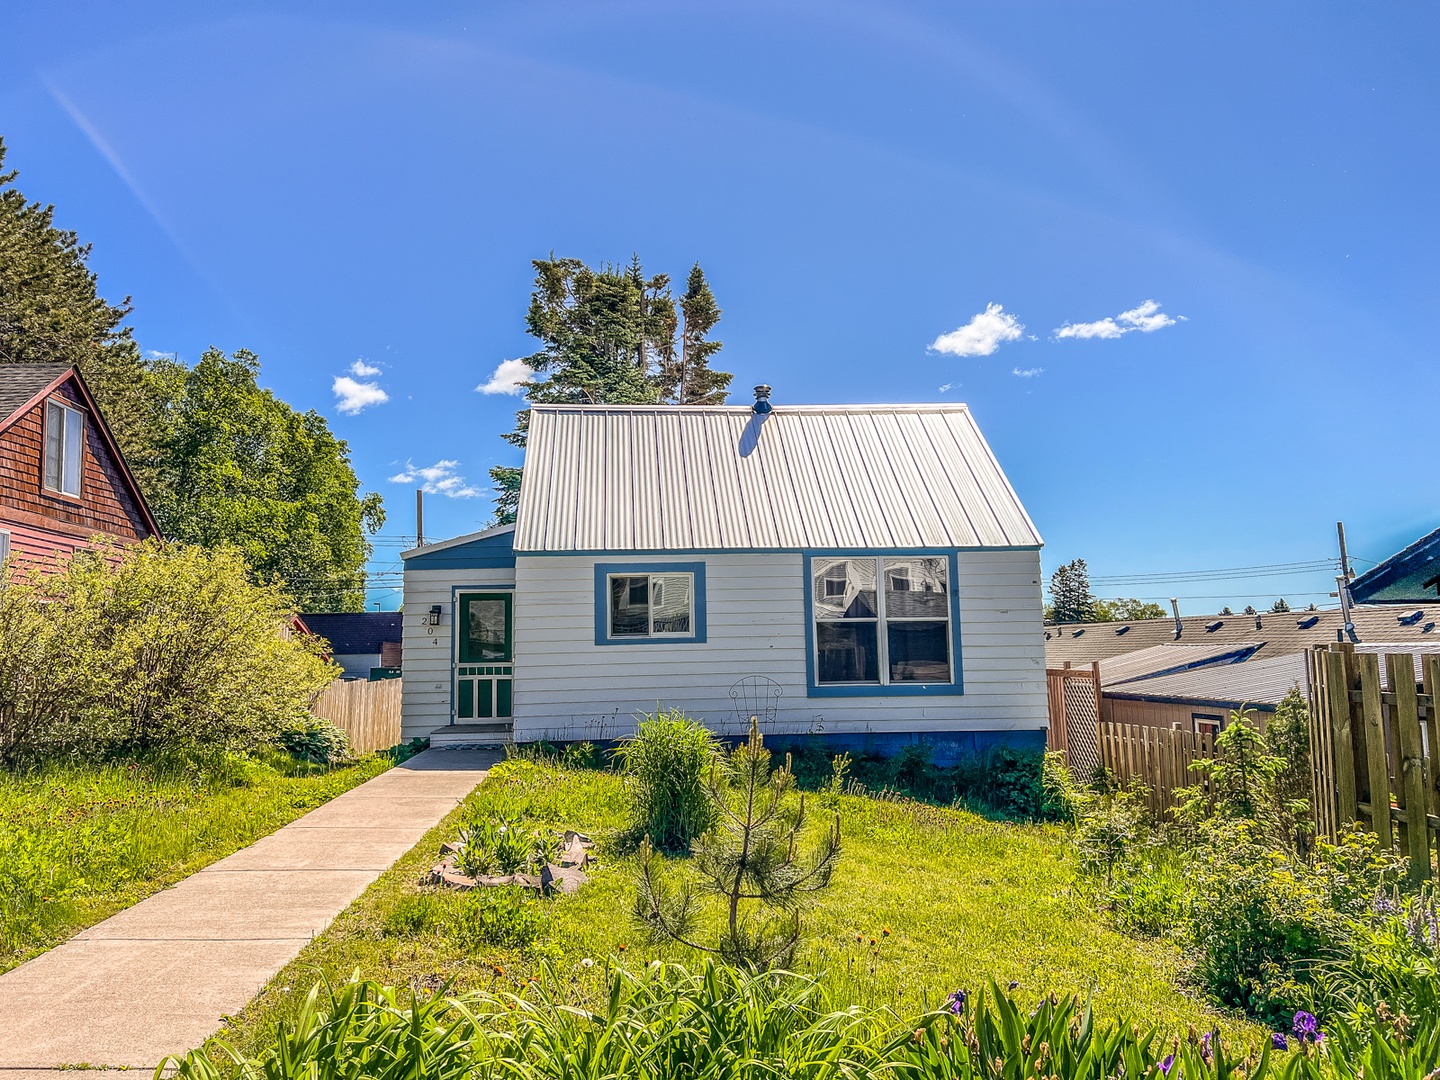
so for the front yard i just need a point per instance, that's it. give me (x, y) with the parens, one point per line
(927, 900)
(79, 842)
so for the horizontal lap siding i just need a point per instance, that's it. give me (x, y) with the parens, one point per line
(427, 655)
(567, 687)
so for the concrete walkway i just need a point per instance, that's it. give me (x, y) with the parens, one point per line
(157, 978)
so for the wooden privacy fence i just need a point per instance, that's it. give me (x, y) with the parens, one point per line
(1373, 743)
(368, 712)
(1074, 696)
(1158, 756)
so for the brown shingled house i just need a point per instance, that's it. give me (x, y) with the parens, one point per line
(62, 479)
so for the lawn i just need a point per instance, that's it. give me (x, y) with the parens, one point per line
(79, 842)
(963, 899)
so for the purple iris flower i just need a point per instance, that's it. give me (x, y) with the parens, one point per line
(1167, 1064)
(955, 1003)
(1305, 1027)
(1205, 1052)
(1279, 1042)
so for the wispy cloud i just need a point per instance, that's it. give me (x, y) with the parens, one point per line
(982, 335)
(351, 395)
(509, 378)
(1146, 318)
(1028, 373)
(945, 387)
(360, 369)
(438, 479)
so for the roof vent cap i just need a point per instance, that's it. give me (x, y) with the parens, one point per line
(762, 400)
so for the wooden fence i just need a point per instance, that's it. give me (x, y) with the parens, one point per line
(368, 712)
(1160, 757)
(1074, 696)
(1374, 747)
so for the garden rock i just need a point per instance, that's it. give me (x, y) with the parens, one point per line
(565, 876)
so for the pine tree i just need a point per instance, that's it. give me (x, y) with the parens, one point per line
(603, 334)
(685, 376)
(1070, 595)
(1279, 607)
(750, 860)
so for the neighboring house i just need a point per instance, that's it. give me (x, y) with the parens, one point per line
(365, 644)
(872, 562)
(1411, 576)
(62, 479)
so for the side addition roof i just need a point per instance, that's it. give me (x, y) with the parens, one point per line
(701, 478)
(1411, 576)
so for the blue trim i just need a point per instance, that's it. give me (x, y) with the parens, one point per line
(492, 553)
(738, 550)
(455, 591)
(813, 689)
(602, 615)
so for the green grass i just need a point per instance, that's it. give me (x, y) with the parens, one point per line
(79, 842)
(964, 899)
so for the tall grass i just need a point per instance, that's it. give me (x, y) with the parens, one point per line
(666, 765)
(80, 841)
(668, 1022)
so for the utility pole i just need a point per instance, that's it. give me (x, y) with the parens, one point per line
(1342, 582)
(1344, 555)
(419, 517)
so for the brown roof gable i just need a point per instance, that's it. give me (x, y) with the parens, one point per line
(42, 380)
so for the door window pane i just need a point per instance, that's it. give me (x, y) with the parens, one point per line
(847, 652)
(919, 652)
(916, 589)
(485, 627)
(670, 603)
(629, 606)
(844, 588)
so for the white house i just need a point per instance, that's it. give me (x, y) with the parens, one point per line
(871, 562)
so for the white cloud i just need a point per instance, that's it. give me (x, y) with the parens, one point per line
(438, 479)
(1029, 372)
(982, 335)
(352, 396)
(362, 370)
(509, 378)
(947, 386)
(1146, 318)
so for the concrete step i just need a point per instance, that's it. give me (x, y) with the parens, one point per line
(483, 733)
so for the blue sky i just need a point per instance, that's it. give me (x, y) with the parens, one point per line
(333, 183)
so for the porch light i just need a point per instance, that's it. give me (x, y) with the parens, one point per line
(433, 618)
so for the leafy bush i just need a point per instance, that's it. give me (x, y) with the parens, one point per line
(666, 764)
(1392, 963)
(316, 739)
(718, 1022)
(502, 846)
(151, 647)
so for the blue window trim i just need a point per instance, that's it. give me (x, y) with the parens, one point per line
(814, 689)
(455, 591)
(602, 613)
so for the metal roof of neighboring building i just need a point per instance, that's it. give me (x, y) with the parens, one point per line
(358, 632)
(1157, 660)
(21, 382)
(689, 477)
(1289, 632)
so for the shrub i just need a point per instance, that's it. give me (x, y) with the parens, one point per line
(151, 647)
(1393, 960)
(315, 739)
(666, 764)
(502, 846)
(502, 917)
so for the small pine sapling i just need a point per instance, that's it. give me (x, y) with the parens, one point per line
(750, 861)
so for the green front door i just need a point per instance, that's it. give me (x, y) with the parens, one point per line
(484, 656)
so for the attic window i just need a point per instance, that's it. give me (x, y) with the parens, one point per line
(64, 440)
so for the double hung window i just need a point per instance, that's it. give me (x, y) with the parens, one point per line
(882, 621)
(64, 443)
(651, 605)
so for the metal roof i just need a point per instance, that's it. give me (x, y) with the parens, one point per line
(1145, 664)
(1411, 576)
(689, 477)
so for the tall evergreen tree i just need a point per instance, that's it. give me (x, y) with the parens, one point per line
(685, 376)
(1070, 596)
(606, 337)
(51, 312)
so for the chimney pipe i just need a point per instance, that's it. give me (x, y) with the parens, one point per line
(762, 400)
(1175, 607)
(419, 518)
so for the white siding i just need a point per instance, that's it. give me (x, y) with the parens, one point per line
(567, 687)
(425, 700)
